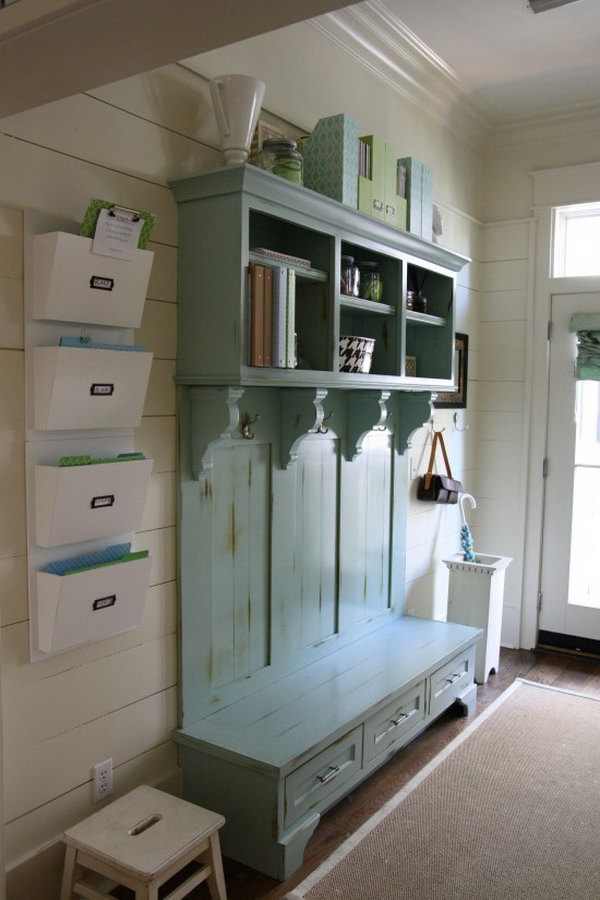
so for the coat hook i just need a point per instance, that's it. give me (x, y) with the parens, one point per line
(246, 427)
(455, 417)
(437, 430)
(321, 429)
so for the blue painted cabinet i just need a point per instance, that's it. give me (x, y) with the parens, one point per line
(299, 672)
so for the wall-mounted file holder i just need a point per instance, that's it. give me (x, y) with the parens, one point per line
(72, 284)
(76, 388)
(80, 503)
(90, 605)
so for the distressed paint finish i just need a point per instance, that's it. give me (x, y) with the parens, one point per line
(316, 539)
(241, 491)
(366, 531)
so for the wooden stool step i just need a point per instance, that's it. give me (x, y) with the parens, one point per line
(141, 841)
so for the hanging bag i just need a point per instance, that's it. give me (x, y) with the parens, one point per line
(438, 488)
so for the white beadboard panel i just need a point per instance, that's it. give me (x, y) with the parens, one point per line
(121, 735)
(421, 560)
(505, 240)
(505, 275)
(510, 627)
(160, 396)
(31, 832)
(156, 436)
(503, 351)
(161, 544)
(163, 275)
(499, 468)
(467, 314)
(500, 425)
(159, 510)
(11, 242)
(37, 713)
(431, 523)
(490, 538)
(428, 596)
(57, 126)
(12, 393)
(64, 185)
(503, 306)
(473, 371)
(171, 96)
(11, 313)
(503, 513)
(13, 590)
(460, 232)
(470, 276)
(158, 621)
(158, 329)
(12, 515)
(501, 396)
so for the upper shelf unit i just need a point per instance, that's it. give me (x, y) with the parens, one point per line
(234, 218)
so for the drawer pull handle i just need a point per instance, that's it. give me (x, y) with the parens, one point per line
(401, 718)
(334, 771)
(453, 678)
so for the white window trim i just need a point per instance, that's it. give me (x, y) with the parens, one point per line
(552, 188)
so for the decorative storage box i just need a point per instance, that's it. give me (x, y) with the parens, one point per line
(419, 189)
(80, 503)
(88, 388)
(331, 158)
(378, 196)
(72, 284)
(90, 605)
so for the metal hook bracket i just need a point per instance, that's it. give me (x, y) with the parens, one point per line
(246, 431)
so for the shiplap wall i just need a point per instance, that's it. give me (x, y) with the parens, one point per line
(118, 697)
(502, 408)
(434, 530)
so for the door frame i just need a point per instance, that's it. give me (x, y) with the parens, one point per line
(552, 188)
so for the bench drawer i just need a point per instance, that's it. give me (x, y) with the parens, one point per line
(447, 683)
(387, 726)
(322, 776)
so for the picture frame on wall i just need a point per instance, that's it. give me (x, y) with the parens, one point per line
(456, 399)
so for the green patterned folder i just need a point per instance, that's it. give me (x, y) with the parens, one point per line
(88, 226)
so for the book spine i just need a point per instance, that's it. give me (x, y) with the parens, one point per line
(257, 304)
(268, 318)
(290, 351)
(279, 316)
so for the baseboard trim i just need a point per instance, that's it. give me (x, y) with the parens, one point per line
(567, 643)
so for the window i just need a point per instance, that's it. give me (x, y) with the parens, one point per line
(576, 240)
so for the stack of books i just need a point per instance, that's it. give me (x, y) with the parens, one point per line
(272, 292)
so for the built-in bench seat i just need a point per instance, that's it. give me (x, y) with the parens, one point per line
(272, 762)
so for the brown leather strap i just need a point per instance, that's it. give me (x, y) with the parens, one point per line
(437, 436)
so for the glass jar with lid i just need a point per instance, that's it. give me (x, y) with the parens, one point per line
(282, 157)
(349, 277)
(371, 286)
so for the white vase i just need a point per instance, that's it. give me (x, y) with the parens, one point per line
(237, 100)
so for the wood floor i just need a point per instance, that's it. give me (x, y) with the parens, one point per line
(578, 674)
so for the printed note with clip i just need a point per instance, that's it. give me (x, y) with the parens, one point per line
(117, 232)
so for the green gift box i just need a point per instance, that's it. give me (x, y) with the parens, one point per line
(331, 158)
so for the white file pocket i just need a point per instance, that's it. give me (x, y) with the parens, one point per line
(72, 284)
(90, 605)
(80, 503)
(89, 388)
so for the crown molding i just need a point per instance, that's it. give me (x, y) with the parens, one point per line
(380, 42)
(564, 123)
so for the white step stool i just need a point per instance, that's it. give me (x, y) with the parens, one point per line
(140, 841)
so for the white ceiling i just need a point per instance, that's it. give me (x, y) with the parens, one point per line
(517, 62)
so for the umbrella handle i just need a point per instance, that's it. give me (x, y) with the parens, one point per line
(461, 500)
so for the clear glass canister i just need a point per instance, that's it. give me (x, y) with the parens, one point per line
(349, 277)
(371, 286)
(282, 157)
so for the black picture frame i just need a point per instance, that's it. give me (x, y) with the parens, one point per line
(456, 399)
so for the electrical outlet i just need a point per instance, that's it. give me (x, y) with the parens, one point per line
(103, 780)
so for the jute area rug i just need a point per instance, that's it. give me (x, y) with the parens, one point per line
(510, 810)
